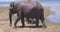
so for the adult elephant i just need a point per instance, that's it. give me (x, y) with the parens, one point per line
(27, 9)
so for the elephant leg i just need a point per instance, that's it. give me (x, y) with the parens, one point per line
(43, 24)
(22, 20)
(10, 18)
(37, 22)
(17, 19)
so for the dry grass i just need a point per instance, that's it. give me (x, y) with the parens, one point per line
(4, 23)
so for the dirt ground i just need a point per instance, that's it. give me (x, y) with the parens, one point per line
(4, 24)
(4, 27)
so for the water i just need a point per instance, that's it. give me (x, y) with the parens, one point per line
(54, 6)
(4, 3)
(55, 18)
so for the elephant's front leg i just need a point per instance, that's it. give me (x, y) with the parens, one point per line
(16, 21)
(19, 16)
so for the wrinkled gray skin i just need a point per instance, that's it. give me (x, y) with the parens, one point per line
(23, 9)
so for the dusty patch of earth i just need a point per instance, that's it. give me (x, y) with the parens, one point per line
(4, 27)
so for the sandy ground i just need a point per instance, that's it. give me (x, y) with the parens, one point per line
(4, 27)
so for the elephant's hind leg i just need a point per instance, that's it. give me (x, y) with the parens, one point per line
(37, 22)
(22, 20)
(43, 24)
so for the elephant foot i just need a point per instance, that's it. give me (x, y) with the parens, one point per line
(22, 26)
(44, 26)
(36, 25)
(10, 25)
(15, 27)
